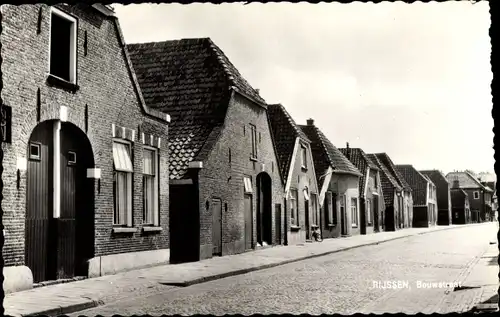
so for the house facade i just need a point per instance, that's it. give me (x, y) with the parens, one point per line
(372, 205)
(398, 195)
(479, 195)
(443, 196)
(223, 167)
(460, 207)
(85, 170)
(338, 181)
(424, 196)
(296, 164)
(492, 185)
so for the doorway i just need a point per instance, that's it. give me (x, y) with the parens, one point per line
(52, 249)
(248, 210)
(264, 213)
(216, 207)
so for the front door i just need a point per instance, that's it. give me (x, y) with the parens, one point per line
(343, 215)
(40, 238)
(374, 207)
(216, 227)
(248, 222)
(277, 222)
(306, 212)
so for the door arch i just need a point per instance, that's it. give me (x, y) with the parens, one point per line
(264, 209)
(59, 247)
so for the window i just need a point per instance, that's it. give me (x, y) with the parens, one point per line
(329, 208)
(476, 195)
(253, 130)
(122, 183)
(63, 46)
(150, 186)
(303, 156)
(314, 205)
(247, 181)
(294, 208)
(71, 157)
(369, 211)
(354, 212)
(35, 151)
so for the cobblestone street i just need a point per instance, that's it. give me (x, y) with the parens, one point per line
(343, 282)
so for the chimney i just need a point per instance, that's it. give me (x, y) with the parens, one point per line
(456, 184)
(257, 91)
(348, 151)
(310, 122)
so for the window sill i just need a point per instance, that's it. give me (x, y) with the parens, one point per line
(253, 159)
(294, 228)
(124, 230)
(354, 226)
(331, 225)
(55, 81)
(151, 229)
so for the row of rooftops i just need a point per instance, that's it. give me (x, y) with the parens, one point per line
(192, 80)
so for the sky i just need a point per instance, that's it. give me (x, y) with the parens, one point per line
(410, 80)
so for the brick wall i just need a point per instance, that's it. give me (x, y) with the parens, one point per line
(223, 179)
(106, 88)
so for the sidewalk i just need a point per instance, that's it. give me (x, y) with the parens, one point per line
(75, 296)
(479, 285)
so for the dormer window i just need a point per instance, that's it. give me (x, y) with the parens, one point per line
(62, 45)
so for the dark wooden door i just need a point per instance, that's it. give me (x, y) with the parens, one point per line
(216, 227)
(74, 223)
(374, 207)
(277, 222)
(248, 222)
(343, 215)
(40, 244)
(308, 226)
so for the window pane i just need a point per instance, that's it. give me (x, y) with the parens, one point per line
(149, 162)
(149, 199)
(60, 41)
(121, 157)
(121, 198)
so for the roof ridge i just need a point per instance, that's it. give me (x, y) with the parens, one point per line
(292, 122)
(169, 41)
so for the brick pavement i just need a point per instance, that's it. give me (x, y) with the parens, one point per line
(75, 296)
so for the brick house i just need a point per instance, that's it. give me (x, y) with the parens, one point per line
(491, 185)
(479, 195)
(223, 167)
(371, 196)
(460, 209)
(295, 162)
(87, 157)
(424, 196)
(443, 196)
(338, 180)
(397, 192)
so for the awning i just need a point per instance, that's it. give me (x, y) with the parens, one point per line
(121, 157)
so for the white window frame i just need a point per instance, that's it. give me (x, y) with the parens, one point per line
(474, 194)
(156, 213)
(354, 209)
(129, 177)
(73, 42)
(303, 156)
(247, 185)
(329, 205)
(294, 207)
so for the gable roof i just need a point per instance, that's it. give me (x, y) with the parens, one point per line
(192, 80)
(359, 159)
(384, 158)
(458, 197)
(435, 176)
(325, 154)
(387, 180)
(285, 132)
(466, 180)
(416, 181)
